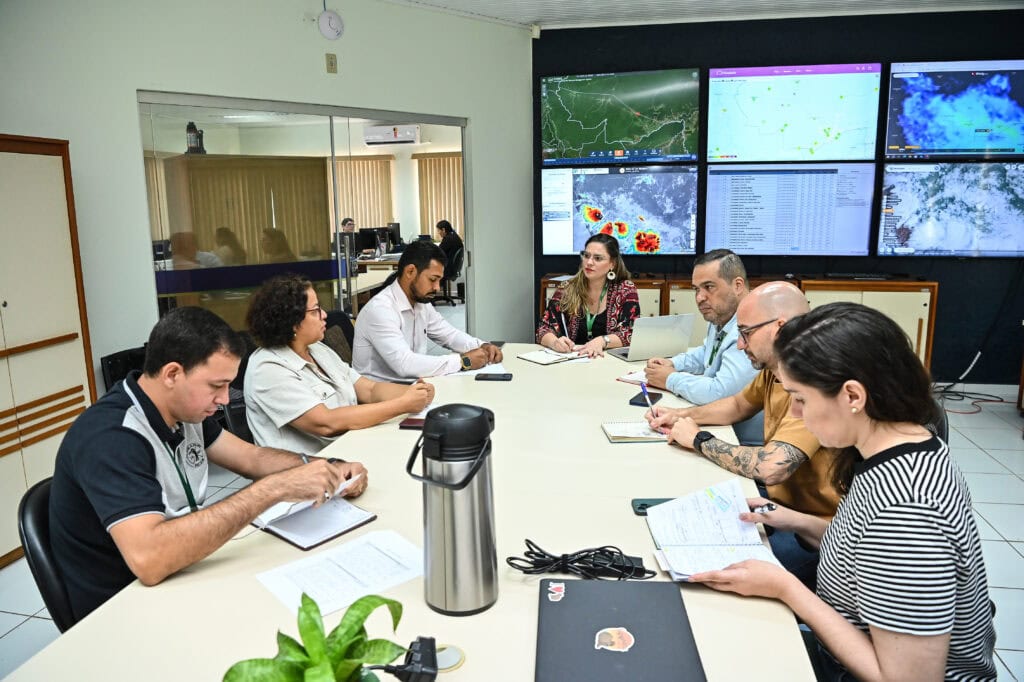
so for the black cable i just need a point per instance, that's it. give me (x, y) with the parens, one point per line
(595, 563)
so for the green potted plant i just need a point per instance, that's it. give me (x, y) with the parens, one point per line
(335, 657)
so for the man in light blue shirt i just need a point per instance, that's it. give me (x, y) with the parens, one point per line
(717, 368)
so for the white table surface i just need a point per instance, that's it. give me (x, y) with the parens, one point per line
(557, 481)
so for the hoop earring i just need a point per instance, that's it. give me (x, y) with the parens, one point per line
(611, 275)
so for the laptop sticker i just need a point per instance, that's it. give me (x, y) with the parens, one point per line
(556, 591)
(614, 639)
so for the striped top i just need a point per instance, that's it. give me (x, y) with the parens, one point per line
(903, 554)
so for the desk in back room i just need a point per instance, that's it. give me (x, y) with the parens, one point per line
(557, 481)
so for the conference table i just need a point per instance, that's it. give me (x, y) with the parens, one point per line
(557, 481)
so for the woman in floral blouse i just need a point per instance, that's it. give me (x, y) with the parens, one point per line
(595, 309)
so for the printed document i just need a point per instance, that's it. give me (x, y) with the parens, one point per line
(370, 564)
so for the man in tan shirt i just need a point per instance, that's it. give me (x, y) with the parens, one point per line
(791, 464)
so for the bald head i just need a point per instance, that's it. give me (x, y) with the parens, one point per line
(760, 315)
(781, 300)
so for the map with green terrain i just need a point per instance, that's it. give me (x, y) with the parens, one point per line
(625, 117)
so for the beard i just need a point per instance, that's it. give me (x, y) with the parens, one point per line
(755, 363)
(420, 298)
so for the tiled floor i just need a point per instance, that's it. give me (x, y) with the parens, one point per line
(988, 446)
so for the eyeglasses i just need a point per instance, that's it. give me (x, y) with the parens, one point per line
(318, 309)
(596, 257)
(745, 332)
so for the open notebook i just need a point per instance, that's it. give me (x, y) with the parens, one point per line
(632, 432)
(306, 526)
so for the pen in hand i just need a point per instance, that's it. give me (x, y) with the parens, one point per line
(643, 387)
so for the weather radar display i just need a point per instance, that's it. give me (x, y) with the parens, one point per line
(956, 109)
(620, 117)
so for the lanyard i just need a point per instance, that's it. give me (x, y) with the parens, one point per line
(718, 344)
(184, 481)
(592, 317)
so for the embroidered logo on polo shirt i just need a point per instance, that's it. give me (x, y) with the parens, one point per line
(194, 455)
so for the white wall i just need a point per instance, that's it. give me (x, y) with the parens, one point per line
(79, 83)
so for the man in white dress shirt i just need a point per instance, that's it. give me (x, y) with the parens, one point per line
(392, 330)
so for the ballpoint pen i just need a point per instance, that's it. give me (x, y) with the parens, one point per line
(643, 387)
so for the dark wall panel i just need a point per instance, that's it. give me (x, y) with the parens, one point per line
(981, 301)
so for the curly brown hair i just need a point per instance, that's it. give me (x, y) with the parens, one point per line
(277, 307)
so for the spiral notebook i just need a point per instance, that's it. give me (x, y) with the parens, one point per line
(632, 432)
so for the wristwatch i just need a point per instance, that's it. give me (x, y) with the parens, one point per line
(467, 362)
(700, 439)
(607, 340)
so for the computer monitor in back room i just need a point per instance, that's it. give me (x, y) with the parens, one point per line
(395, 232)
(367, 238)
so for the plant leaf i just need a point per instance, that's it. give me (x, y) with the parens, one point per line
(380, 651)
(290, 651)
(311, 627)
(319, 673)
(357, 613)
(346, 668)
(338, 650)
(263, 670)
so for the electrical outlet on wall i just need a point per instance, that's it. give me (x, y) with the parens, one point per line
(332, 63)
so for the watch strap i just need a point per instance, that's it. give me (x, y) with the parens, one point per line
(700, 438)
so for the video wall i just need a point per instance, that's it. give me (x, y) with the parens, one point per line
(850, 159)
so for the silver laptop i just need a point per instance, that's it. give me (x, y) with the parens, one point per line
(657, 337)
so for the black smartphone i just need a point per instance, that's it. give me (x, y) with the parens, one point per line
(640, 504)
(493, 377)
(412, 423)
(639, 400)
(499, 344)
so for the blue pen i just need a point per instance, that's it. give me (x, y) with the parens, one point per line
(643, 387)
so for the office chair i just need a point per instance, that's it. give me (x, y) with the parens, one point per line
(234, 416)
(34, 529)
(452, 272)
(339, 334)
(116, 366)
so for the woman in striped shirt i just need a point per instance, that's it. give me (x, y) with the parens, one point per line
(902, 593)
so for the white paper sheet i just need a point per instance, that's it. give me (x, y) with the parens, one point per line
(636, 431)
(496, 368)
(370, 564)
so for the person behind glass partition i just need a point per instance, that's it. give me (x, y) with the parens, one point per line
(229, 250)
(185, 254)
(275, 247)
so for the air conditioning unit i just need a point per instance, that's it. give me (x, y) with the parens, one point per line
(391, 134)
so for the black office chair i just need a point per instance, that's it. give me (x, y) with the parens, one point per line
(339, 334)
(34, 529)
(116, 366)
(452, 272)
(234, 416)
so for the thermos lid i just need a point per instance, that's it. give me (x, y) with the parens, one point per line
(456, 432)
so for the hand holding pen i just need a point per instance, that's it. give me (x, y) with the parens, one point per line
(563, 344)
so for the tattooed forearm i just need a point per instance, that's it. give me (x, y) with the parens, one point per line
(771, 463)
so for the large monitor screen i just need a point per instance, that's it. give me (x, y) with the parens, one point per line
(826, 112)
(650, 209)
(620, 117)
(790, 209)
(956, 109)
(952, 209)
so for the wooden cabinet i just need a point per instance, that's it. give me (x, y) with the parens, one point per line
(910, 304)
(46, 377)
(650, 291)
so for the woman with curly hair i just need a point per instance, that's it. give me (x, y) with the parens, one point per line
(299, 395)
(595, 310)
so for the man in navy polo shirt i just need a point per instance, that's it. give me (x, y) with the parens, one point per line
(129, 486)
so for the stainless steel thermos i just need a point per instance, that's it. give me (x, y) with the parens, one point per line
(460, 567)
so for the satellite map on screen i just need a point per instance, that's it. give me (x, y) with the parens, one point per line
(953, 209)
(648, 212)
(967, 112)
(624, 117)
